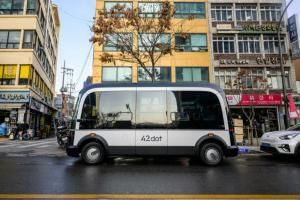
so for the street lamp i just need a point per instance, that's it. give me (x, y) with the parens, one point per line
(285, 99)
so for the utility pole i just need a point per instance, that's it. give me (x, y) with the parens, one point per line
(284, 92)
(63, 90)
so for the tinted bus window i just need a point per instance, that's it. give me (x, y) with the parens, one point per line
(194, 110)
(89, 115)
(151, 110)
(117, 110)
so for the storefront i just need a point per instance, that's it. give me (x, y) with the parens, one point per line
(18, 107)
(264, 110)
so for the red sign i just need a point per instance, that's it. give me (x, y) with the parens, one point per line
(255, 99)
(261, 100)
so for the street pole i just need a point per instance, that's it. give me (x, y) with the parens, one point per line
(285, 99)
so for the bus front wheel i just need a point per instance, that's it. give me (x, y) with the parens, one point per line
(211, 154)
(93, 153)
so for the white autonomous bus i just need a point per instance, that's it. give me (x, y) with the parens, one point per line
(151, 120)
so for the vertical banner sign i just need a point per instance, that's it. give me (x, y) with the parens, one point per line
(293, 25)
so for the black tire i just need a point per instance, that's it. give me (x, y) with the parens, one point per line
(93, 153)
(211, 154)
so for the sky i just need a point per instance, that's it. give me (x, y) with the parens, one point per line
(76, 19)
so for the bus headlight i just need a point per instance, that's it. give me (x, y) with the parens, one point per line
(289, 136)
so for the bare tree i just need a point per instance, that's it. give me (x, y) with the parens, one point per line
(133, 36)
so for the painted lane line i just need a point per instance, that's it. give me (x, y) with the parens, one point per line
(142, 196)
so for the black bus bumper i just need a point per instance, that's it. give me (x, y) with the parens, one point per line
(232, 151)
(72, 151)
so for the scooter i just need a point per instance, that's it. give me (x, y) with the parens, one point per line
(62, 136)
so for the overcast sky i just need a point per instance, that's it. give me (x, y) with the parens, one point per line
(76, 18)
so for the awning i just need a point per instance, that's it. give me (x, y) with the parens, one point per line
(9, 106)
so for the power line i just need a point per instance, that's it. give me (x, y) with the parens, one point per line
(84, 65)
(75, 17)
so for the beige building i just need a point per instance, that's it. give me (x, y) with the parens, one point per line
(29, 34)
(189, 62)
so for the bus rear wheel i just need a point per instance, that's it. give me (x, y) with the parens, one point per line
(93, 153)
(211, 154)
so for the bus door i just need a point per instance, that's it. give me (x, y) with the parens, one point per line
(151, 121)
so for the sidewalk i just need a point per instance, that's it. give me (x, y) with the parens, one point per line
(3, 139)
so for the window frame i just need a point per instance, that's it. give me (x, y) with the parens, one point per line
(189, 48)
(192, 74)
(117, 74)
(186, 15)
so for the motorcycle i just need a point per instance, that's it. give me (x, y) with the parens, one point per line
(62, 136)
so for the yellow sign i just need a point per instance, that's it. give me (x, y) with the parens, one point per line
(10, 72)
(25, 71)
(1, 71)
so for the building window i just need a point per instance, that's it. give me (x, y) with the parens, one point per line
(26, 75)
(246, 12)
(9, 39)
(161, 74)
(8, 74)
(249, 44)
(270, 12)
(191, 42)
(226, 77)
(148, 41)
(108, 6)
(150, 10)
(29, 40)
(221, 12)
(275, 78)
(271, 44)
(253, 78)
(190, 10)
(117, 42)
(223, 44)
(33, 7)
(116, 74)
(11, 7)
(192, 74)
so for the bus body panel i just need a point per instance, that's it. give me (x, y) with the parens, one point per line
(156, 141)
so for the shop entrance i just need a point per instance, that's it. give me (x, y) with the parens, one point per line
(265, 119)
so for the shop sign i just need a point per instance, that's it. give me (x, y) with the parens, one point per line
(224, 26)
(254, 99)
(14, 97)
(234, 62)
(269, 61)
(35, 105)
(294, 30)
(261, 28)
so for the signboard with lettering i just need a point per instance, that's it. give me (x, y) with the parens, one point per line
(14, 97)
(265, 28)
(255, 100)
(293, 24)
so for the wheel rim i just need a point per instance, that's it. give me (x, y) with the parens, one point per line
(212, 155)
(93, 154)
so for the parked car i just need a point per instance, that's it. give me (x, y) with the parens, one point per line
(282, 142)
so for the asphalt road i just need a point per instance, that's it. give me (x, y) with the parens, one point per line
(42, 168)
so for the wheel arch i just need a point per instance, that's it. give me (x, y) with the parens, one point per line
(92, 138)
(213, 139)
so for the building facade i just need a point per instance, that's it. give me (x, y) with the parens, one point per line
(189, 62)
(245, 47)
(29, 34)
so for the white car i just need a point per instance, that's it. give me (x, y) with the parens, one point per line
(282, 142)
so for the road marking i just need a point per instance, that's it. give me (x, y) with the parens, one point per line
(142, 196)
(35, 144)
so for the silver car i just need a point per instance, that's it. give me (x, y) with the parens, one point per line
(282, 142)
